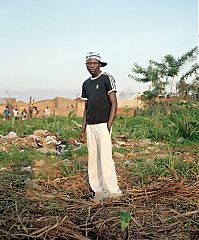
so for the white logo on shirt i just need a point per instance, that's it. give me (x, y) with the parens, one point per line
(97, 86)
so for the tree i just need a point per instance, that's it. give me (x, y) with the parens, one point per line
(183, 88)
(150, 74)
(193, 87)
(162, 74)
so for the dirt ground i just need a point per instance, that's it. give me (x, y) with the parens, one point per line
(61, 207)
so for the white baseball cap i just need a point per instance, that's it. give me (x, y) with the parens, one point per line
(95, 56)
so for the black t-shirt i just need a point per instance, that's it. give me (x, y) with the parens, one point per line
(96, 91)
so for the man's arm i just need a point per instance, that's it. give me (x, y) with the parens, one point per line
(84, 123)
(113, 100)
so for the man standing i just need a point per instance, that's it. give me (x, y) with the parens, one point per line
(6, 114)
(47, 111)
(99, 93)
(15, 114)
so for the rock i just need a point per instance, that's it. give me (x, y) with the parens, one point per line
(12, 135)
(118, 155)
(120, 143)
(27, 169)
(2, 148)
(150, 162)
(40, 132)
(61, 148)
(127, 163)
(51, 139)
(180, 140)
(34, 137)
(31, 183)
(46, 150)
(77, 146)
(3, 169)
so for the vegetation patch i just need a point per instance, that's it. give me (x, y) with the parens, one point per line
(46, 194)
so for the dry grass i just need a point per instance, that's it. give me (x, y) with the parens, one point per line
(58, 209)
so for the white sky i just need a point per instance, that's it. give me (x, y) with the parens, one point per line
(43, 43)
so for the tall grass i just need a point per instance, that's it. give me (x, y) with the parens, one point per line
(64, 126)
(172, 124)
(145, 172)
(161, 123)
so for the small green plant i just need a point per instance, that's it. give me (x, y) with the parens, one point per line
(54, 207)
(122, 150)
(83, 151)
(65, 171)
(171, 220)
(71, 168)
(67, 154)
(125, 218)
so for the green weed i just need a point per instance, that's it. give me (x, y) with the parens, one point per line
(54, 208)
(70, 168)
(83, 151)
(124, 218)
(122, 150)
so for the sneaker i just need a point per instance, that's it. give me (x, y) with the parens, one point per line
(115, 195)
(98, 197)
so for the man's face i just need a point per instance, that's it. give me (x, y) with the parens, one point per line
(93, 66)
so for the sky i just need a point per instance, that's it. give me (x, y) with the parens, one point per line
(43, 43)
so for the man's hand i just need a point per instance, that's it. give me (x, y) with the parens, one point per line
(109, 127)
(113, 100)
(82, 137)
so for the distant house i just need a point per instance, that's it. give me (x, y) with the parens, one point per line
(127, 104)
(21, 105)
(6, 101)
(59, 106)
(79, 103)
(130, 100)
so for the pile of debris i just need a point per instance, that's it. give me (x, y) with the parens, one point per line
(42, 140)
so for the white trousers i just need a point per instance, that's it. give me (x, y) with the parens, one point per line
(101, 167)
